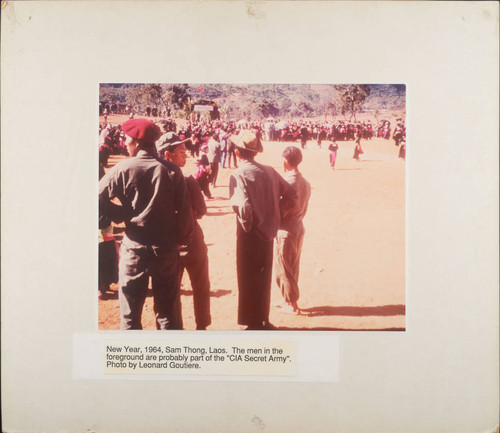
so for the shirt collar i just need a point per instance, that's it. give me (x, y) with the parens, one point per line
(143, 153)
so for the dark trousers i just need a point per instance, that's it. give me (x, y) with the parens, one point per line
(137, 263)
(108, 263)
(215, 171)
(204, 182)
(196, 264)
(231, 154)
(254, 264)
(223, 157)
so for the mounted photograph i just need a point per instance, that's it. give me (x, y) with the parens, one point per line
(232, 207)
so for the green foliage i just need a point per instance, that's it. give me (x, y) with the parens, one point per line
(257, 101)
(145, 94)
(113, 94)
(387, 96)
(264, 108)
(351, 98)
(303, 109)
(152, 94)
(176, 95)
(107, 94)
(134, 96)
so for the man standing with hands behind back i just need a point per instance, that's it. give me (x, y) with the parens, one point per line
(256, 192)
(157, 216)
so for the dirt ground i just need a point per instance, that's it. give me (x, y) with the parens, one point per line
(352, 274)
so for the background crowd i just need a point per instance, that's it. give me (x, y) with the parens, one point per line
(112, 138)
(213, 144)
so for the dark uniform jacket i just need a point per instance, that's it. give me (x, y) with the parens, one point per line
(198, 206)
(153, 196)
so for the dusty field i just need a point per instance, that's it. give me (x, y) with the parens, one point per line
(353, 259)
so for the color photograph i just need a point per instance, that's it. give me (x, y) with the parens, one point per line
(252, 206)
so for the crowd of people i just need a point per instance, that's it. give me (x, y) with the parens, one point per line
(339, 130)
(160, 208)
(112, 139)
(106, 108)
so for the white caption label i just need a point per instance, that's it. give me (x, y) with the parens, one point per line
(225, 356)
(276, 358)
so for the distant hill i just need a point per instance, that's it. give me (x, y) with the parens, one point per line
(262, 100)
(386, 96)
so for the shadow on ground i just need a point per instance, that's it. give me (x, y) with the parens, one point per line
(213, 294)
(284, 328)
(384, 310)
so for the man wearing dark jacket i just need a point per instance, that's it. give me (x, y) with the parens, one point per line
(195, 261)
(258, 194)
(157, 216)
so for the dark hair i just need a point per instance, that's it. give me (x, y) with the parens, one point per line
(293, 155)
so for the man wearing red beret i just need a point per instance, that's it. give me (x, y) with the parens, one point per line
(157, 216)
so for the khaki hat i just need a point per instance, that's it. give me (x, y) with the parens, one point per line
(169, 141)
(247, 140)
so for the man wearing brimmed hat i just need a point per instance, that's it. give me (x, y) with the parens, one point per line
(195, 261)
(168, 139)
(256, 192)
(157, 216)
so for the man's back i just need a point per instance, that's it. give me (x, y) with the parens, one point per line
(293, 216)
(153, 197)
(255, 191)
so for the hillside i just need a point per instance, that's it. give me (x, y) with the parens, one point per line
(258, 100)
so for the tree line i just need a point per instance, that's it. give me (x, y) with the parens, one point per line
(258, 101)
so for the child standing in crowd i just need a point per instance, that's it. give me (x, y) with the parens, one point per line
(333, 148)
(203, 172)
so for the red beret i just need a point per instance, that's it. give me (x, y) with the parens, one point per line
(142, 130)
